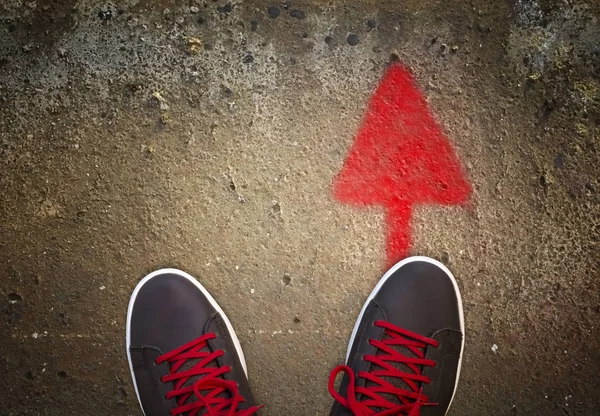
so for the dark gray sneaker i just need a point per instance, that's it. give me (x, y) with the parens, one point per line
(184, 356)
(405, 351)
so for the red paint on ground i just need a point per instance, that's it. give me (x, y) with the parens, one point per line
(400, 157)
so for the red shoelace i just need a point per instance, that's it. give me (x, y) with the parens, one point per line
(408, 401)
(208, 388)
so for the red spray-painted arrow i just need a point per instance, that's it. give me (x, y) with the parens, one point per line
(400, 157)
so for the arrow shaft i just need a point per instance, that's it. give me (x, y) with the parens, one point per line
(398, 237)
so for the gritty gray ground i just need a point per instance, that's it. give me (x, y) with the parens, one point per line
(205, 135)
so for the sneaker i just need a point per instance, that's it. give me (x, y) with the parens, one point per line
(184, 356)
(405, 352)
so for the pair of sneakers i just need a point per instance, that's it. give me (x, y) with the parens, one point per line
(403, 358)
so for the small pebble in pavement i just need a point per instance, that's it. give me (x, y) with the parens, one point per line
(298, 14)
(228, 8)
(105, 14)
(14, 298)
(353, 39)
(273, 12)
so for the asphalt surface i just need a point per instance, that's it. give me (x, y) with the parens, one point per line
(206, 135)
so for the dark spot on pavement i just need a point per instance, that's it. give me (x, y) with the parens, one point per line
(559, 160)
(287, 279)
(105, 14)
(297, 320)
(591, 188)
(248, 59)
(29, 375)
(372, 23)
(444, 49)
(304, 35)
(253, 25)
(228, 8)
(63, 318)
(546, 110)
(352, 39)
(11, 28)
(62, 374)
(14, 298)
(328, 40)
(546, 179)
(200, 20)
(298, 14)
(394, 57)
(15, 317)
(273, 12)
(225, 91)
(445, 257)
(484, 28)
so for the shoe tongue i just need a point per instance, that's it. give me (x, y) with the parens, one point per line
(395, 381)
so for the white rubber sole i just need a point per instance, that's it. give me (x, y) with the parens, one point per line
(387, 276)
(212, 301)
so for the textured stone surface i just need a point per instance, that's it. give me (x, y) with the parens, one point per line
(205, 135)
